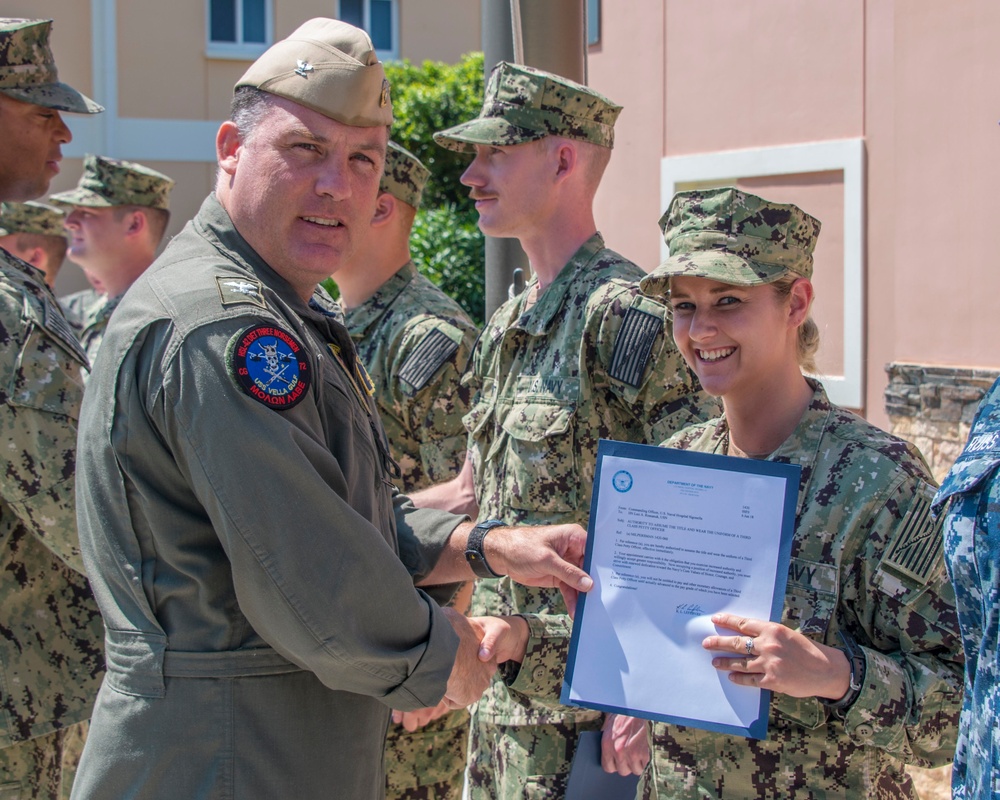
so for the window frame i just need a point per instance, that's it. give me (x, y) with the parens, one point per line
(239, 50)
(383, 55)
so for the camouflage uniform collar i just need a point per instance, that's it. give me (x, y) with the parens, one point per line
(537, 319)
(360, 318)
(215, 225)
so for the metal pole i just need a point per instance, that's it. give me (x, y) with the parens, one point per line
(503, 256)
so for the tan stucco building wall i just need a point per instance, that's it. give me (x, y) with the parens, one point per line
(166, 95)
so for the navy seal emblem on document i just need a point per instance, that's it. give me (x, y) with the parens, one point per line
(270, 365)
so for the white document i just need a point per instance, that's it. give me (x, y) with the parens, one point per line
(674, 538)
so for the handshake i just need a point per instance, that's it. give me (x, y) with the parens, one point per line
(546, 556)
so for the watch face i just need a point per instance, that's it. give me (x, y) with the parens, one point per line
(622, 480)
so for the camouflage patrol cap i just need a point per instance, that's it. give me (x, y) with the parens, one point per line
(329, 66)
(734, 237)
(28, 69)
(31, 217)
(524, 104)
(405, 175)
(109, 182)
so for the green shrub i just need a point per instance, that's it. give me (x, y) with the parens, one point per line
(446, 243)
(447, 247)
(430, 98)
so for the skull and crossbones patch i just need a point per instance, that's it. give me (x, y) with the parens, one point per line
(269, 364)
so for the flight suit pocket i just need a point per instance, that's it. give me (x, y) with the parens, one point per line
(540, 464)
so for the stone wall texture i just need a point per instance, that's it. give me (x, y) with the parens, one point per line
(933, 407)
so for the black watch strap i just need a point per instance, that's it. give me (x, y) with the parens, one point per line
(856, 658)
(474, 549)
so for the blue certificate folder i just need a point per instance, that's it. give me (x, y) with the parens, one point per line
(784, 492)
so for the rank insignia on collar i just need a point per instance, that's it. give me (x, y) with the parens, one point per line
(269, 364)
(237, 290)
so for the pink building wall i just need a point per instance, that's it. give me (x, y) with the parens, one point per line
(916, 80)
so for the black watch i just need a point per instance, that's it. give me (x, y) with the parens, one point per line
(858, 663)
(474, 549)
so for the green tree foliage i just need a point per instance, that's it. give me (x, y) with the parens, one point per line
(430, 98)
(447, 247)
(446, 243)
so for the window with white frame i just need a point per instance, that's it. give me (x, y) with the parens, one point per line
(239, 28)
(380, 18)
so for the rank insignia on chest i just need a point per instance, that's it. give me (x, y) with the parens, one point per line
(269, 364)
(241, 291)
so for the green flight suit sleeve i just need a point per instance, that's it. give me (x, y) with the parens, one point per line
(312, 574)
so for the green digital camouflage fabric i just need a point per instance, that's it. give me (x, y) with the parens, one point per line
(866, 559)
(734, 237)
(591, 358)
(405, 175)
(51, 655)
(428, 764)
(524, 104)
(31, 217)
(42, 768)
(109, 182)
(971, 494)
(28, 70)
(415, 342)
(88, 312)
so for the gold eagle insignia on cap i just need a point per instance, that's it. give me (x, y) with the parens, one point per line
(385, 93)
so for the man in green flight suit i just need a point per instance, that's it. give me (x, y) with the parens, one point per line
(51, 659)
(579, 356)
(415, 342)
(253, 562)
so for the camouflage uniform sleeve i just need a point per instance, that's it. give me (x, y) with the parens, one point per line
(912, 691)
(427, 387)
(41, 392)
(541, 674)
(644, 370)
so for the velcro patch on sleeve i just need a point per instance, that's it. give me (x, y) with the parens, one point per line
(269, 364)
(428, 357)
(633, 346)
(918, 546)
(56, 324)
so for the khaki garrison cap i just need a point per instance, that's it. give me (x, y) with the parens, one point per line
(524, 104)
(733, 237)
(405, 175)
(28, 69)
(329, 66)
(31, 217)
(109, 182)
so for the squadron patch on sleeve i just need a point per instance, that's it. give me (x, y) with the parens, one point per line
(234, 290)
(270, 365)
(633, 345)
(434, 349)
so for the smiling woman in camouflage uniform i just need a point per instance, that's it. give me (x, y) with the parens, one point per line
(865, 665)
